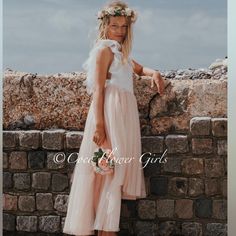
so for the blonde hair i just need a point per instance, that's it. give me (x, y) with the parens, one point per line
(126, 46)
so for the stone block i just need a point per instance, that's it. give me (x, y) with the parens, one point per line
(219, 127)
(177, 143)
(41, 180)
(30, 139)
(184, 208)
(18, 160)
(200, 125)
(202, 146)
(53, 139)
(44, 201)
(165, 208)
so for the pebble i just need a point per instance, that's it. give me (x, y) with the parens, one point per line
(217, 70)
(29, 120)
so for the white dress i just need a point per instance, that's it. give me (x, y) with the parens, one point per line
(122, 128)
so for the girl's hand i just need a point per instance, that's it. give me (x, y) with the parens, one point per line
(99, 135)
(158, 80)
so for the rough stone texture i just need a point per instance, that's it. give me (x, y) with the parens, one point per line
(144, 228)
(55, 161)
(222, 147)
(183, 197)
(220, 209)
(192, 229)
(36, 159)
(165, 208)
(74, 139)
(147, 209)
(196, 187)
(153, 144)
(61, 203)
(173, 165)
(9, 222)
(216, 229)
(214, 167)
(7, 180)
(21, 181)
(203, 208)
(9, 139)
(185, 189)
(30, 139)
(159, 186)
(126, 228)
(184, 208)
(26, 223)
(212, 186)
(188, 94)
(168, 228)
(41, 180)
(9, 202)
(5, 160)
(193, 166)
(178, 186)
(200, 125)
(49, 224)
(177, 143)
(53, 139)
(44, 201)
(151, 168)
(202, 145)
(219, 127)
(182, 101)
(18, 160)
(26, 203)
(59, 182)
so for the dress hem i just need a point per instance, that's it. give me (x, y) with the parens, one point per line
(76, 233)
(90, 232)
(109, 230)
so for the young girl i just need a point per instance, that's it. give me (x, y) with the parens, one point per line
(112, 123)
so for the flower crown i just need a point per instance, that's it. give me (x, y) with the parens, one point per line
(118, 11)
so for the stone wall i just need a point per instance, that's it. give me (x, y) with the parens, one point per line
(41, 102)
(187, 195)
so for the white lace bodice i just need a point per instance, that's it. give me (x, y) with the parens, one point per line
(121, 75)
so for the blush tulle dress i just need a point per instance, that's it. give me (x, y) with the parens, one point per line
(122, 128)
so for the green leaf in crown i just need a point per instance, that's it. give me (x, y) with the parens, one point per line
(117, 12)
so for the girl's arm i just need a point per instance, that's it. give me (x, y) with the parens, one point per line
(145, 71)
(103, 60)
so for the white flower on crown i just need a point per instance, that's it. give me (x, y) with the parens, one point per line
(128, 11)
(123, 12)
(111, 10)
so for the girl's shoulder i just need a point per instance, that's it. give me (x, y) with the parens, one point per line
(113, 44)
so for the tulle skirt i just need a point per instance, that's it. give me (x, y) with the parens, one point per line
(91, 208)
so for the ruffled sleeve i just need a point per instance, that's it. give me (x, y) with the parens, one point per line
(90, 64)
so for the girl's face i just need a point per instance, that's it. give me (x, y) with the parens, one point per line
(117, 28)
